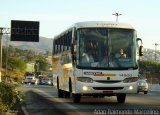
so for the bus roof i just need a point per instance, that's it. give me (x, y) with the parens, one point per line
(107, 24)
(94, 24)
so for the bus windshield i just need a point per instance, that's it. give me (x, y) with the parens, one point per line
(106, 48)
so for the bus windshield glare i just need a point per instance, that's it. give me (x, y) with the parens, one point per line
(106, 48)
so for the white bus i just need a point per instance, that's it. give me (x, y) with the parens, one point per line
(111, 71)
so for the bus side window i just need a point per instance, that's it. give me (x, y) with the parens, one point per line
(68, 41)
(56, 48)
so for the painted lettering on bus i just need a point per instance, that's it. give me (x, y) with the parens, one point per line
(99, 74)
(125, 75)
(92, 73)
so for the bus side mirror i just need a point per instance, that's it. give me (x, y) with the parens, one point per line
(140, 47)
(141, 51)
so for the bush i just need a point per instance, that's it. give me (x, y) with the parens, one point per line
(9, 96)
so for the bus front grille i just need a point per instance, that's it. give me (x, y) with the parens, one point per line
(108, 88)
(108, 81)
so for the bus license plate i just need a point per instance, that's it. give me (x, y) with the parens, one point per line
(107, 92)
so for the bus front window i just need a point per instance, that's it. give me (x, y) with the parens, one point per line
(122, 47)
(92, 42)
(99, 47)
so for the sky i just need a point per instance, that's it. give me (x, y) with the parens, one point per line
(57, 15)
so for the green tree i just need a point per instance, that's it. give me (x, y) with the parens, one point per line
(149, 66)
(9, 96)
(17, 63)
(41, 64)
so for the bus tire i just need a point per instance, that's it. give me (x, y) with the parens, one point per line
(145, 92)
(76, 98)
(60, 92)
(70, 88)
(121, 98)
(66, 94)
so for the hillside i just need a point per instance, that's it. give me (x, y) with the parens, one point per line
(44, 44)
(149, 54)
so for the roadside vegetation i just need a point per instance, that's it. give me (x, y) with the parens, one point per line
(14, 64)
(151, 71)
(150, 66)
(10, 97)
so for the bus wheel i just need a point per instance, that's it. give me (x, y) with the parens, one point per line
(121, 98)
(76, 98)
(60, 92)
(66, 94)
(145, 92)
(70, 89)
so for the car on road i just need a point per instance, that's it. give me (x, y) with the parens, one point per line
(35, 81)
(30, 79)
(46, 81)
(142, 86)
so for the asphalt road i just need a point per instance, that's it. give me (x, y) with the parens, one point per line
(43, 100)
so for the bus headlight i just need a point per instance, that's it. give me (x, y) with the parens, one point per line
(130, 87)
(85, 88)
(85, 79)
(130, 79)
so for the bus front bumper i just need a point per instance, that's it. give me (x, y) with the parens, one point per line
(105, 89)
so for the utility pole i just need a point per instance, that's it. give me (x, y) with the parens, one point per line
(2, 31)
(117, 14)
(155, 54)
(156, 51)
(7, 42)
